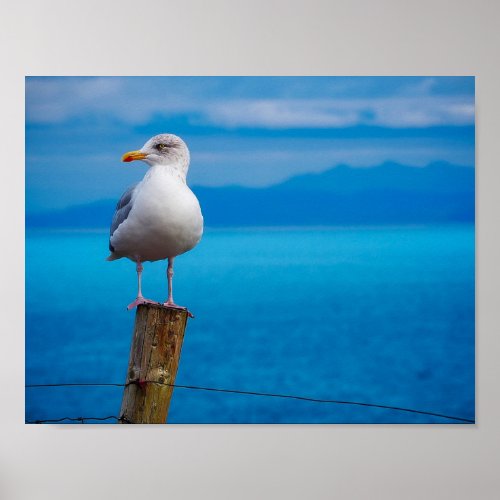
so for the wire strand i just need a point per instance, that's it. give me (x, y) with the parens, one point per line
(76, 419)
(247, 393)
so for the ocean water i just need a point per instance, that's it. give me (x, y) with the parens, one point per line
(375, 315)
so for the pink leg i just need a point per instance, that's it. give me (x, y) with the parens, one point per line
(170, 300)
(139, 299)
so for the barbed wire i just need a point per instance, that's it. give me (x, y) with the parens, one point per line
(233, 391)
(80, 420)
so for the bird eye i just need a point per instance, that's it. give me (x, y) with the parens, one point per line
(161, 147)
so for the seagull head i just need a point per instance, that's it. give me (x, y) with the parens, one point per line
(163, 149)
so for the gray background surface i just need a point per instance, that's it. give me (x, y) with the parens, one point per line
(255, 37)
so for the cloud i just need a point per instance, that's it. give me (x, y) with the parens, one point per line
(56, 100)
(397, 112)
(62, 99)
(137, 101)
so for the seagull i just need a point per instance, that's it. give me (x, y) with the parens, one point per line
(160, 217)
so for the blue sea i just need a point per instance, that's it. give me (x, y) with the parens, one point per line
(381, 315)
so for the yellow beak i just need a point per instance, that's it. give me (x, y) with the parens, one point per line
(133, 155)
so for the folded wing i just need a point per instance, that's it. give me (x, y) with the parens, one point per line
(123, 208)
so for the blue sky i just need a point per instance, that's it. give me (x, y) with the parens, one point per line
(252, 131)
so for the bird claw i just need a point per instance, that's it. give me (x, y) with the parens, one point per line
(138, 301)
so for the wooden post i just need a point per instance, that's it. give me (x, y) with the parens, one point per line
(154, 359)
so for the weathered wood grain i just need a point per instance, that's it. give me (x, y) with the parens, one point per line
(154, 360)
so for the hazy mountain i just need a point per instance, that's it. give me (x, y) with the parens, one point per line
(386, 194)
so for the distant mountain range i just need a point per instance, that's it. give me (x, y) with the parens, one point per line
(386, 194)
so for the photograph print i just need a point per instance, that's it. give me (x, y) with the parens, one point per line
(250, 250)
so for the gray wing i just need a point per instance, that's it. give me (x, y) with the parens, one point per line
(122, 210)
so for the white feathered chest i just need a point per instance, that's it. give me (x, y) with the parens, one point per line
(164, 220)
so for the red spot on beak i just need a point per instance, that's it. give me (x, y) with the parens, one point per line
(133, 155)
